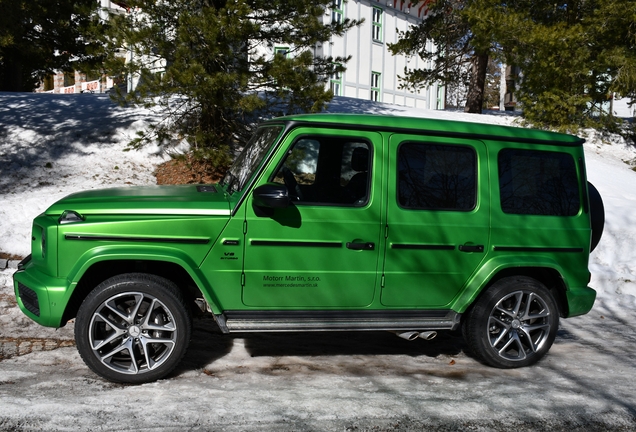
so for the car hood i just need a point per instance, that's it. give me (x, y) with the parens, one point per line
(204, 200)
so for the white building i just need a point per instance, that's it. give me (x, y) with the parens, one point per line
(373, 72)
(77, 82)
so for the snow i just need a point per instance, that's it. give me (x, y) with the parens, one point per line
(51, 146)
(54, 145)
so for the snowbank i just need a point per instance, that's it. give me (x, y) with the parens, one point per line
(54, 145)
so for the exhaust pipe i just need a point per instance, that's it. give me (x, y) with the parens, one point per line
(412, 334)
(428, 335)
(408, 335)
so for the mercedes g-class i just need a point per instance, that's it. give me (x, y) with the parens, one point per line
(329, 222)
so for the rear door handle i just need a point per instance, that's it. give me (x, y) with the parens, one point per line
(471, 248)
(360, 246)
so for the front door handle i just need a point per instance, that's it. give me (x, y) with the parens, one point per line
(360, 246)
(471, 248)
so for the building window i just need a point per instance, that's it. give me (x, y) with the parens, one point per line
(69, 79)
(376, 27)
(49, 83)
(375, 86)
(337, 11)
(93, 76)
(284, 51)
(441, 103)
(335, 82)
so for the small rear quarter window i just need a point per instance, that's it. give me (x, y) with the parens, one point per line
(534, 182)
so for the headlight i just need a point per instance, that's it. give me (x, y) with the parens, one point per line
(69, 216)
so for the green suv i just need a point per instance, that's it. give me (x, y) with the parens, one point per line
(328, 222)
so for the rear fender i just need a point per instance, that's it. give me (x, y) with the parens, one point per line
(489, 271)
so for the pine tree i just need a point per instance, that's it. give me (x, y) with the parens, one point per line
(492, 88)
(213, 81)
(614, 23)
(38, 37)
(573, 55)
(457, 55)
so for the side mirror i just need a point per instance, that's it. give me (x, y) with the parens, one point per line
(271, 195)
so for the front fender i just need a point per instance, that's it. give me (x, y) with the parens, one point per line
(158, 253)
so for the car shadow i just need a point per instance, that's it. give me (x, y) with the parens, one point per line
(208, 344)
(349, 343)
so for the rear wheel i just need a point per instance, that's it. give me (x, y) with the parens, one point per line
(133, 328)
(513, 324)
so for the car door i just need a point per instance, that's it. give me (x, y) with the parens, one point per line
(438, 214)
(322, 250)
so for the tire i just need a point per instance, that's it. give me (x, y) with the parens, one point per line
(597, 215)
(133, 328)
(513, 324)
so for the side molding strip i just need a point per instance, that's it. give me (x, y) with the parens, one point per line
(421, 246)
(536, 249)
(295, 243)
(181, 240)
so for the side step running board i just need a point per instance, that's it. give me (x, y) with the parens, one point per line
(289, 321)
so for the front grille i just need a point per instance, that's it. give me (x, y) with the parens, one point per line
(29, 299)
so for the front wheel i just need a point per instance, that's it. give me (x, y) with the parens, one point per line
(513, 324)
(133, 328)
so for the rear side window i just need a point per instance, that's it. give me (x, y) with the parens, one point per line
(436, 177)
(538, 183)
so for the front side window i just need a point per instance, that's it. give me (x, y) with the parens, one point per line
(536, 182)
(327, 170)
(437, 177)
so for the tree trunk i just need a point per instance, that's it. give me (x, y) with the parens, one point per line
(11, 77)
(475, 98)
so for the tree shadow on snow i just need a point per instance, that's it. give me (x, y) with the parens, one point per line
(39, 129)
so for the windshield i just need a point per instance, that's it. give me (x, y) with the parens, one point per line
(250, 158)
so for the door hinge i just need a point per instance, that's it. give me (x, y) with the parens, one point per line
(242, 280)
(386, 231)
(382, 282)
(244, 227)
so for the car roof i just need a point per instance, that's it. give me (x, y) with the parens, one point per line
(428, 126)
